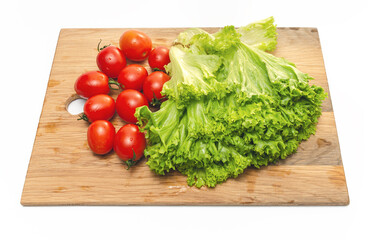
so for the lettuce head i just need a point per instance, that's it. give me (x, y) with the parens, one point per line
(231, 105)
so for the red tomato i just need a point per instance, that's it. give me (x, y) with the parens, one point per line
(100, 136)
(132, 77)
(127, 102)
(158, 58)
(129, 142)
(91, 83)
(111, 60)
(99, 107)
(136, 45)
(153, 86)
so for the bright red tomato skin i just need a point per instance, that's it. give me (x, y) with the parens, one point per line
(129, 139)
(153, 85)
(159, 57)
(127, 102)
(132, 77)
(111, 60)
(100, 136)
(99, 107)
(91, 83)
(136, 45)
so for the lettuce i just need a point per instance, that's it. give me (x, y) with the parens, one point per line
(231, 105)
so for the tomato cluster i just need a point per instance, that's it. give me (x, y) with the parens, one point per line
(138, 88)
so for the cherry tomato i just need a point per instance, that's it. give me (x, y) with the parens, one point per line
(129, 143)
(132, 77)
(91, 83)
(136, 45)
(100, 136)
(127, 102)
(111, 60)
(153, 86)
(99, 107)
(158, 58)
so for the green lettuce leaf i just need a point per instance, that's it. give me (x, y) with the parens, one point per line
(261, 34)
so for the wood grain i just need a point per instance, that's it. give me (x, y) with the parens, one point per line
(63, 171)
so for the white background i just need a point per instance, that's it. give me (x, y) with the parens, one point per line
(349, 33)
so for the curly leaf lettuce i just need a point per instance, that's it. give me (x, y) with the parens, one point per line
(231, 106)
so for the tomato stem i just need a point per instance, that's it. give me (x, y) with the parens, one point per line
(83, 117)
(100, 49)
(111, 82)
(131, 162)
(157, 69)
(157, 102)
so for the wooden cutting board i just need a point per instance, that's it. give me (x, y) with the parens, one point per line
(63, 171)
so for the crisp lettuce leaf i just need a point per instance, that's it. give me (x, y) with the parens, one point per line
(192, 75)
(261, 34)
(185, 37)
(231, 105)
